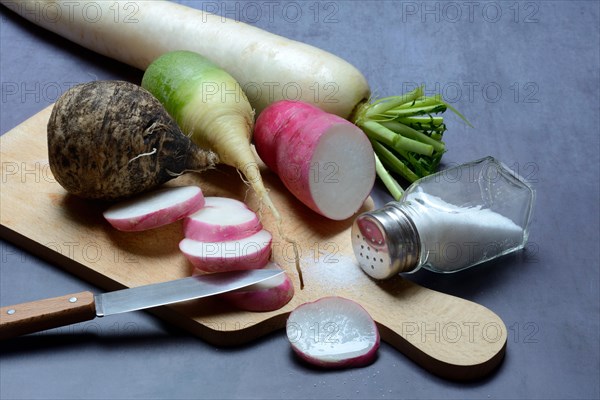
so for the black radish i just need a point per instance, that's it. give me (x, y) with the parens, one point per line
(113, 139)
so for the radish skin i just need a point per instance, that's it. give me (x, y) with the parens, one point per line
(324, 160)
(333, 332)
(257, 59)
(155, 209)
(221, 220)
(269, 295)
(252, 252)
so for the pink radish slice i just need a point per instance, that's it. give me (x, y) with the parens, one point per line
(154, 209)
(268, 295)
(251, 252)
(333, 332)
(221, 220)
(325, 161)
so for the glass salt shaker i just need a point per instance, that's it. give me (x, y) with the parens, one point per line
(446, 222)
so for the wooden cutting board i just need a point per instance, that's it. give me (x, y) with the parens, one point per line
(449, 336)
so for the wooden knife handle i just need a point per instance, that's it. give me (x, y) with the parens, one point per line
(45, 314)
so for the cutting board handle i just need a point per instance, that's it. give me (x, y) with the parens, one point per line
(45, 314)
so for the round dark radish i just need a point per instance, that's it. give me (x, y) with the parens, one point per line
(269, 295)
(154, 209)
(252, 252)
(324, 160)
(221, 219)
(113, 139)
(333, 332)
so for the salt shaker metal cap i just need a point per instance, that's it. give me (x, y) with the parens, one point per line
(385, 242)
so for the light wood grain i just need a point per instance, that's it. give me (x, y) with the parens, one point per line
(449, 336)
(39, 315)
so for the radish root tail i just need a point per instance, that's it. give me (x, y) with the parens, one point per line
(143, 155)
(279, 222)
(256, 183)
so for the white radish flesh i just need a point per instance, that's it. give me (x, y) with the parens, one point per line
(216, 201)
(268, 295)
(155, 209)
(324, 160)
(255, 58)
(252, 252)
(333, 332)
(221, 220)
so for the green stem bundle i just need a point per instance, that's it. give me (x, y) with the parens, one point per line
(406, 135)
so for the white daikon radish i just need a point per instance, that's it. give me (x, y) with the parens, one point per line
(154, 209)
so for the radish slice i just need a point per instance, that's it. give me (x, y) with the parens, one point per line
(268, 295)
(333, 332)
(221, 220)
(154, 209)
(252, 252)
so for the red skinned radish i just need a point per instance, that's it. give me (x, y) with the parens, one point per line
(252, 252)
(324, 160)
(155, 209)
(269, 295)
(221, 219)
(333, 332)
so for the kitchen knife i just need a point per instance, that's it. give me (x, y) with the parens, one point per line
(50, 313)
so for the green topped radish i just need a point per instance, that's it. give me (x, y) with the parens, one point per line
(112, 139)
(210, 106)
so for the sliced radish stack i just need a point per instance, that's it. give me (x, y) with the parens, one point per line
(155, 209)
(333, 332)
(251, 252)
(221, 219)
(268, 295)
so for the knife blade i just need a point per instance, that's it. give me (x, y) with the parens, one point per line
(50, 313)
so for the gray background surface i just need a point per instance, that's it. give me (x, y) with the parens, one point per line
(527, 76)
